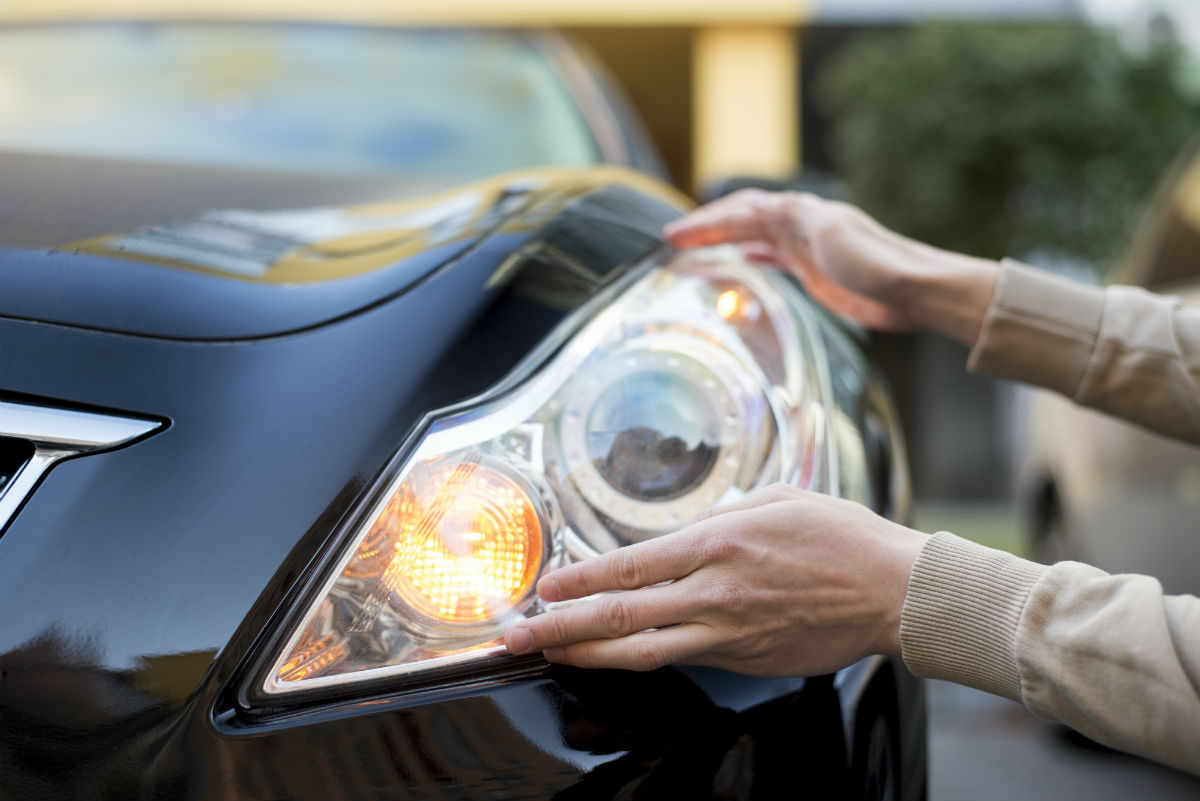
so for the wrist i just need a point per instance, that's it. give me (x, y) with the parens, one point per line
(951, 293)
(907, 549)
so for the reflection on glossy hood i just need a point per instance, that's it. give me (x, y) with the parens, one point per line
(322, 244)
(236, 274)
(317, 244)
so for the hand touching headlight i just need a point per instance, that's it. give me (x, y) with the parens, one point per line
(783, 583)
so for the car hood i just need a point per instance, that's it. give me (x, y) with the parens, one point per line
(231, 274)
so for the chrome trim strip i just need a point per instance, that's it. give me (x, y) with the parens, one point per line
(58, 434)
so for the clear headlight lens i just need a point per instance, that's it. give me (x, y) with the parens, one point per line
(693, 387)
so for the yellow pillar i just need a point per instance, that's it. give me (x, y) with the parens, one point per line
(745, 101)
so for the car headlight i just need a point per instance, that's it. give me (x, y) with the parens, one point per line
(694, 386)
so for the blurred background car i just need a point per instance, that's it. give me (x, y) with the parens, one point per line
(1105, 492)
(321, 344)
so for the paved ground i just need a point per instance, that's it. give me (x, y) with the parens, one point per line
(984, 748)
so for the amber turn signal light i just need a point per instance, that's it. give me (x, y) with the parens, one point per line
(471, 545)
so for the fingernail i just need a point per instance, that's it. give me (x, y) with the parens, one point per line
(518, 640)
(553, 654)
(547, 589)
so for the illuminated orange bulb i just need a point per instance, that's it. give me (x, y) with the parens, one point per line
(472, 547)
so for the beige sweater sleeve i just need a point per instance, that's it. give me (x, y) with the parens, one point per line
(1121, 350)
(1111, 656)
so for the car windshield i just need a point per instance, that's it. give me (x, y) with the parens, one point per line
(438, 106)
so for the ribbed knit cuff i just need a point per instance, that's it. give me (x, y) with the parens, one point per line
(1039, 329)
(961, 613)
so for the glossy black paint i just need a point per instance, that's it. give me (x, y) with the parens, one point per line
(132, 297)
(139, 584)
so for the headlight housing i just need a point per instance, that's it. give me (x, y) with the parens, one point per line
(697, 384)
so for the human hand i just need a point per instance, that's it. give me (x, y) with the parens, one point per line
(849, 262)
(784, 582)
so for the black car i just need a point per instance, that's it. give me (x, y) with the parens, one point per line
(283, 456)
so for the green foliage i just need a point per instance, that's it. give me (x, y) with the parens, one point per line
(1006, 139)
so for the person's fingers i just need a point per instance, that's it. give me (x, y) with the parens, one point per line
(666, 558)
(734, 218)
(614, 615)
(762, 253)
(647, 650)
(708, 228)
(629, 568)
